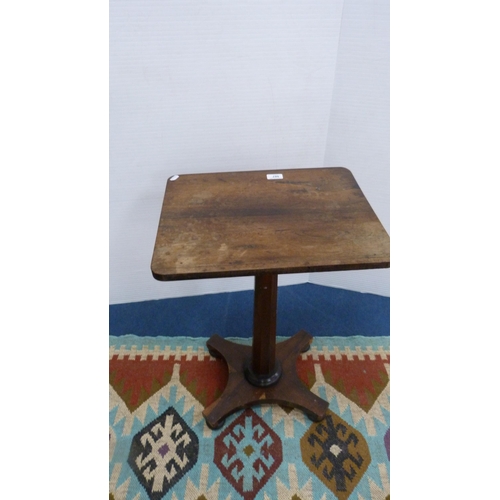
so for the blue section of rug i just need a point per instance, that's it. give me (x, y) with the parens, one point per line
(321, 311)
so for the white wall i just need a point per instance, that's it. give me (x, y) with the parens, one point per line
(217, 86)
(358, 134)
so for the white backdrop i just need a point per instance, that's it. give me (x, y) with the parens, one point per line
(240, 85)
(358, 134)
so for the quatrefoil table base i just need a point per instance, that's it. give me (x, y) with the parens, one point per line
(240, 393)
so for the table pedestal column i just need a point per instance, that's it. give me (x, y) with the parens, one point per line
(266, 371)
(263, 369)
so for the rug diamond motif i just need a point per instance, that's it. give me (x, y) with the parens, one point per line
(248, 453)
(162, 453)
(336, 453)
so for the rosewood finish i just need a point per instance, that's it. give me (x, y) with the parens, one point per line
(241, 224)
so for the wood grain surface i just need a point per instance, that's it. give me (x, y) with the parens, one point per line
(242, 224)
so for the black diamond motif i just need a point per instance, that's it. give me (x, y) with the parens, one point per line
(336, 453)
(162, 453)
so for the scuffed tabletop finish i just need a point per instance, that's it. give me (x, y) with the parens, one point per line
(282, 221)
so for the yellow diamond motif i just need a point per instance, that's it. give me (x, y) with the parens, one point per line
(248, 450)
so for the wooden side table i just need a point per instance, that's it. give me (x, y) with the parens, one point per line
(262, 224)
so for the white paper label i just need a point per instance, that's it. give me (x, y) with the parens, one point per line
(273, 177)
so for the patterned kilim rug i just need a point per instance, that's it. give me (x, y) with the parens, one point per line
(161, 448)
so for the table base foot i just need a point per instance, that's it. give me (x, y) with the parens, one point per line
(239, 393)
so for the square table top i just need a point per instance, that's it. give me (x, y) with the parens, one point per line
(279, 221)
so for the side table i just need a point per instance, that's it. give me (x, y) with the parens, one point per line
(262, 224)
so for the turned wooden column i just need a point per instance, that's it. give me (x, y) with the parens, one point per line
(263, 369)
